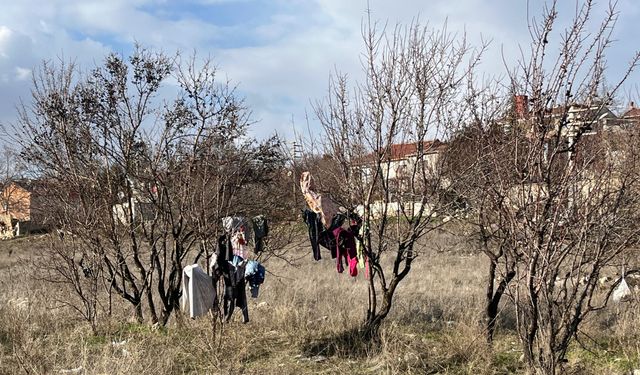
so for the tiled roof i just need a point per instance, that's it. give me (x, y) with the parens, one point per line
(401, 151)
(633, 112)
(405, 150)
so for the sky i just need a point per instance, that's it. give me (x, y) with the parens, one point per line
(279, 52)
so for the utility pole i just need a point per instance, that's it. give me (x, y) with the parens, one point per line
(296, 155)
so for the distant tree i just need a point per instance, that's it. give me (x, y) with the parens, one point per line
(143, 184)
(12, 166)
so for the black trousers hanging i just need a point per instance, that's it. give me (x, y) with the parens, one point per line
(235, 294)
(314, 224)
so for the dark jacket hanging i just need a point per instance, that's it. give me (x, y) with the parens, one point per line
(224, 253)
(314, 224)
(260, 231)
(235, 293)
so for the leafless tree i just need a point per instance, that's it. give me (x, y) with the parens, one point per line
(143, 182)
(12, 167)
(69, 264)
(554, 183)
(476, 154)
(412, 94)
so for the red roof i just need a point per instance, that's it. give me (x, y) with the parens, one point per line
(633, 112)
(405, 150)
(401, 151)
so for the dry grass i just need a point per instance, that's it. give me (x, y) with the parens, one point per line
(305, 321)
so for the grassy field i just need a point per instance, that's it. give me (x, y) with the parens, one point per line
(304, 321)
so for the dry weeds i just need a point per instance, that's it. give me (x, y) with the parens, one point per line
(305, 321)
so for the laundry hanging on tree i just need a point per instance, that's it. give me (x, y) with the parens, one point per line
(326, 228)
(235, 291)
(322, 205)
(260, 232)
(230, 262)
(254, 273)
(346, 248)
(244, 233)
(239, 230)
(198, 291)
(315, 227)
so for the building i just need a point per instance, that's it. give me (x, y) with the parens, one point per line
(595, 122)
(22, 208)
(401, 158)
(397, 167)
(569, 119)
(632, 115)
(138, 206)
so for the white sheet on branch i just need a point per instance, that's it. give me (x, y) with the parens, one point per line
(198, 293)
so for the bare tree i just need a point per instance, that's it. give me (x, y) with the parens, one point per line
(412, 94)
(476, 153)
(143, 183)
(553, 190)
(68, 264)
(12, 167)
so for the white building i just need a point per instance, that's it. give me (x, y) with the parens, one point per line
(401, 159)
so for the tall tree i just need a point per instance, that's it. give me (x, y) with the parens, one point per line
(554, 182)
(412, 94)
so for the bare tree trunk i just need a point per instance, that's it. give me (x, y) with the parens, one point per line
(493, 298)
(375, 317)
(371, 326)
(138, 313)
(152, 306)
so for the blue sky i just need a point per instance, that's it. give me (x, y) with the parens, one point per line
(280, 52)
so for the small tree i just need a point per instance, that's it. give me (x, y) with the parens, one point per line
(412, 94)
(475, 155)
(68, 264)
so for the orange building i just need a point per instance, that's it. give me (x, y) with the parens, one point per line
(19, 209)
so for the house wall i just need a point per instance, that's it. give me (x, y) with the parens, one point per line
(394, 209)
(144, 211)
(399, 172)
(16, 202)
(402, 168)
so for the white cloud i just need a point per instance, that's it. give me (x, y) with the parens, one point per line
(284, 64)
(281, 78)
(22, 73)
(5, 39)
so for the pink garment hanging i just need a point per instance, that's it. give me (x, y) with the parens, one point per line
(239, 244)
(346, 248)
